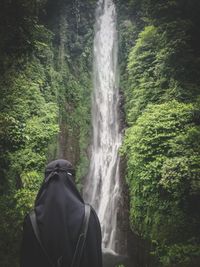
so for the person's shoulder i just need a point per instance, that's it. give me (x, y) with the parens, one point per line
(94, 216)
(26, 220)
(92, 211)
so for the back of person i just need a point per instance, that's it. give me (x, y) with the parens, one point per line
(60, 217)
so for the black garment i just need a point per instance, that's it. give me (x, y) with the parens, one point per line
(59, 211)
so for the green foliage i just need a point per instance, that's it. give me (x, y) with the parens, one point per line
(178, 253)
(45, 87)
(141, 73)
(161, 87)
(76, 83)
(28, 123)
(162, 150)
(153, 75)
(127, 29)
(9, 231)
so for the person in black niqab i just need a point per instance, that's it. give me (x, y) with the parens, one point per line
(59, 210)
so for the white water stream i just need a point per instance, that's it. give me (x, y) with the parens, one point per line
(102, 187)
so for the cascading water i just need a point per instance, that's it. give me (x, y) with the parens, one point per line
(102, 188)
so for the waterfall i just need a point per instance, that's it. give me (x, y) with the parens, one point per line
(102, 188)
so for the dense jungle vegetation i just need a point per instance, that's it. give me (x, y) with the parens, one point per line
(161, 82)
(45, 88)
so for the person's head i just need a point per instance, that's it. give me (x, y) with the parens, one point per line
(62, 172)
(60, 165)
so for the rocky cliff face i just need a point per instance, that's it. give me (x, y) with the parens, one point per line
(45, 87)
(73, 42)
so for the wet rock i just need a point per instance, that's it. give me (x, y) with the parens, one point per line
(111, 259)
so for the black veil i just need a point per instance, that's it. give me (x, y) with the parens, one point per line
(59, 210)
